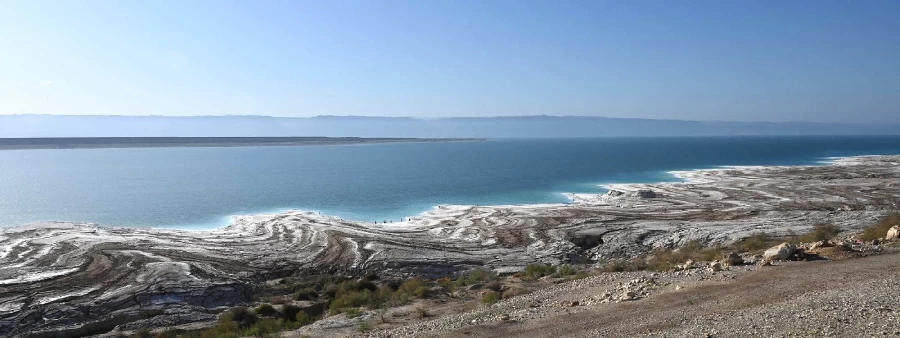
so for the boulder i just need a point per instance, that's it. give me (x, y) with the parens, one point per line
(614, 193)
(820, 244)
(715, 266)
(643, 193)
(780, 252)
(732, 259)
(893, 233)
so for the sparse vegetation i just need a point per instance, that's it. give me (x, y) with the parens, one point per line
(265, 310)
(663, 260)
(353, 312)
(880, 229)
(756, 241)
(476, 276)
(535, 271)
(821, 232)
(490, 297)
(306, 294)
(566, 270)
(666, 259)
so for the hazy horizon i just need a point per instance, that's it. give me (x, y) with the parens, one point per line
(25, 126)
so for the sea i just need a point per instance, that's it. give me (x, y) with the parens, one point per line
(202, 188)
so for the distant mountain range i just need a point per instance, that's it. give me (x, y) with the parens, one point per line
(354, 126)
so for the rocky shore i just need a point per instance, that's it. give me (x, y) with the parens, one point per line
(83, 279)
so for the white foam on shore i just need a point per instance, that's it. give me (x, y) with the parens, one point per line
(445, 211)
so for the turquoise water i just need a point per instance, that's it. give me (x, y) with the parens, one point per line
(200, 188)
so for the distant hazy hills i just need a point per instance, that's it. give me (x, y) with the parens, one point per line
(340, 126)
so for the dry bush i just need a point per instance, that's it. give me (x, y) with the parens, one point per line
(880, 229)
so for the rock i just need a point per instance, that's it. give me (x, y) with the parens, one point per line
(715, 266)
(820, 244)
(780, 252)
(732, 259)
(643, 193)
(574, 303)
(614, 193)
(628, 295)
(504, 317)
(689, 264)
(893, 233)
(474, 287)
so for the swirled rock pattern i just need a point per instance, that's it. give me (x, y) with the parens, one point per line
(83, 278)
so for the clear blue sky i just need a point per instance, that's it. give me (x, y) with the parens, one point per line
(707, 60)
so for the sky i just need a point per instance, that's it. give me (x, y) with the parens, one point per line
(824, 61)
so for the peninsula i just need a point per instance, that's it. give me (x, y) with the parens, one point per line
(162, 142)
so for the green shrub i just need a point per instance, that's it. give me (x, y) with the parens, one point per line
(493, 286)
(265, 310)
(447, 284)
(475, 277)
(879, 230)
(635, 264)
(306, 294)
(490, 297)
(353, 312)
(664, 260)
(354, 299)
(290, 311)
(304, 318)
(565, 270)
(365, 327)
(361, 285)
(535, 271)
(756, 241)
(225, 329)
(821, 232)
(239, 315)
(413, 288)
(265, 328)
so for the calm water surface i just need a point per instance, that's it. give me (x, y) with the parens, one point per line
(200, 188)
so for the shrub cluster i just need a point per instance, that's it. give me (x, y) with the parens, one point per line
(880, 229)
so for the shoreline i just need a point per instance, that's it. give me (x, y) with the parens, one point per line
(687, 176)
(92, 274)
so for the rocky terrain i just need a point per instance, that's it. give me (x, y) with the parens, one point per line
(843, 298)
(81, 279)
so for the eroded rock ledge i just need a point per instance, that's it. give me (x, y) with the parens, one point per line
(83, 278)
